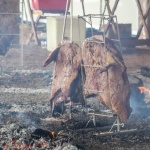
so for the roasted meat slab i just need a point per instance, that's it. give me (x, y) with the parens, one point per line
(105, 75)
(96, 71)
(67, 75)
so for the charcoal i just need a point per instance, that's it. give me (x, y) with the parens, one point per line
(38, 133)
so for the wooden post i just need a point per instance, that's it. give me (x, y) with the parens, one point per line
(115, 6)
(83, 9)
(31, 35)
(108, 7)
(142, 18)
(65, 19)
(32, 23)
(71, 21)
(111, 12)
(141, 25)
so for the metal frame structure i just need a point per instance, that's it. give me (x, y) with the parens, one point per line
(88, 19)
(104, 20)
(124, 42)
(143, 17)
(21, 2)
(111, 19)
(40, 15)
(94, 115)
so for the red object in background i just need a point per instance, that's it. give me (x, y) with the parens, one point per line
(54, 6)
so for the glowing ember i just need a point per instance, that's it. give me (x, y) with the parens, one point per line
(144, 89)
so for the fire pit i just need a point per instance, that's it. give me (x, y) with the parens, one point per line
(24, 107)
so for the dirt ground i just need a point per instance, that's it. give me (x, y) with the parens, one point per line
(33, 57)
(30, 83)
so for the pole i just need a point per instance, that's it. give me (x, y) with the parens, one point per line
(32, 22)
(66, 12)
(71, 21)
(82, 2)
(21, 35)
(101, 5)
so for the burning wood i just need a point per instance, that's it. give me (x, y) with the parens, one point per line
(38, 133)
(18, 137)
(104, 75)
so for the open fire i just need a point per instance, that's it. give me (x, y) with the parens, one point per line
(144, 90)
(18, 137)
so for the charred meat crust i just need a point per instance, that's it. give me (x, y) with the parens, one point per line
(102, 72)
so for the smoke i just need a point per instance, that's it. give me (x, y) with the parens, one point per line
(23, 115)
(23, 118)
(136, 98)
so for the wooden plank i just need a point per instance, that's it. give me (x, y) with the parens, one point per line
(131, 42)
(125, 132)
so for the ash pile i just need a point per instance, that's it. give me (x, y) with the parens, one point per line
(22, 127)
(9, 25)
(25, 85)
(23, 102)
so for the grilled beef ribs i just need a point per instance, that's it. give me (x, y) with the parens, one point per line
(66, 85)
(105, 75)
